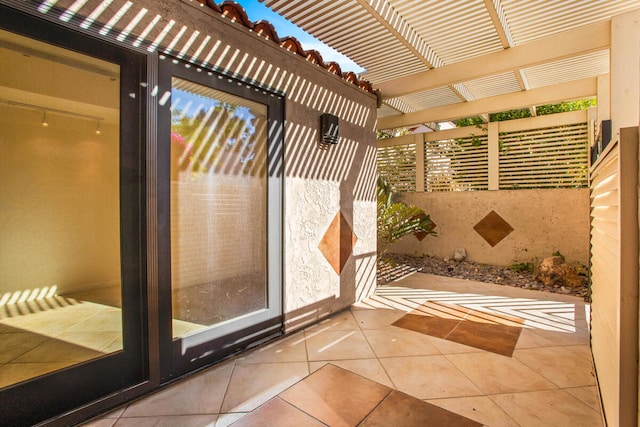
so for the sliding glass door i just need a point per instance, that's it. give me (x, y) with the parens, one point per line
(224, 189)
(70, 234)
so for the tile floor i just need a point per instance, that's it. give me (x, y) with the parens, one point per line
(45, 335)
(356, 368)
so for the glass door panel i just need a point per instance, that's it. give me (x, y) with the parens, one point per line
(218, 207)
(220, 216)
(60, 287)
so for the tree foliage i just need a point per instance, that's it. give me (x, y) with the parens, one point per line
(397, 219)
(541, 110)
(229, 149)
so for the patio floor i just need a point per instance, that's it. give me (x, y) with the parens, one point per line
(424, 350)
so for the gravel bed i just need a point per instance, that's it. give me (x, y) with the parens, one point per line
(396, 266)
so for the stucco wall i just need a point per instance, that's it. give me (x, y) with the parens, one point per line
(543, 221)
(320, 181)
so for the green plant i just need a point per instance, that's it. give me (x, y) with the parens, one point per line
(557, 253)
(522, 267)
(397, 219)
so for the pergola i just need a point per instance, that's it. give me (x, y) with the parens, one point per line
(436, 61)
(440, 60)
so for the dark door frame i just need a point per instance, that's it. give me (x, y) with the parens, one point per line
(173, 362)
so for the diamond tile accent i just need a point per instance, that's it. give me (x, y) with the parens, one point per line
(497, 333)
(420, 235)
(338, 242)
(493, 228)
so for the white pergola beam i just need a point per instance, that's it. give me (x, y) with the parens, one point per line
(545, 95)
(583, 40)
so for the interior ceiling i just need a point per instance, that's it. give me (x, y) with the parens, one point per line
(430, 54)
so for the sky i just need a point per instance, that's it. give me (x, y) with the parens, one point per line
(257, 11)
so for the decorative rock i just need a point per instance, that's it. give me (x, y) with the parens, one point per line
(460, 254)
(554, 272)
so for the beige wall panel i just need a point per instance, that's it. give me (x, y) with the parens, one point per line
(544, 221)
(58, 202)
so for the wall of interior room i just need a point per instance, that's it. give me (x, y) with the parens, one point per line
(60, 224)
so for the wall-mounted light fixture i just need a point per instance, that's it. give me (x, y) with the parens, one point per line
(45, 110)
(329, 128)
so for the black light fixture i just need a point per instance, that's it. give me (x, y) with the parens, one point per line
(329, 128)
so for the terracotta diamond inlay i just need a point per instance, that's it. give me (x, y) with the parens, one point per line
(494, 332)
(493, 228)
(337, 243)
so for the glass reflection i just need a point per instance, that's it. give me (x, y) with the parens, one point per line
(218, 207)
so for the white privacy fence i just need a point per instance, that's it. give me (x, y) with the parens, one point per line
(539, 152)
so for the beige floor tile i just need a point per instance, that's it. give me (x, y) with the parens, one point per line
(16, 344)
(116, 413)
(115, 345)
(494, 373)
(576, 336)
(393, 341)
(104, 321)
(580, 350)
(252, 384)
(376, 319)
(289, 349)
(551, 408)
(13, 373)
(337, 345)
(277, 413)
(529, 339)
(201, 394)
(368, 368)
(180, 328)
(168, 421)
(225, 420)
(335, 396)
(478, 408)
(51, 322)
(558, 365)
(93, 340)
(6, 329)
(57, 351)
(588, 395)
(450, 347)
(342, 321)
(428, 377)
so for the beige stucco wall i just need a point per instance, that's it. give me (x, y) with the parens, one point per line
(544, 221)
(319, 180)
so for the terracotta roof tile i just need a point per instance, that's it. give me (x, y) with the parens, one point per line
(266, 30)
(212, 5)
(235, 12)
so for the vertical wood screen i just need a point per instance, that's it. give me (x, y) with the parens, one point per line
(614, 276)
